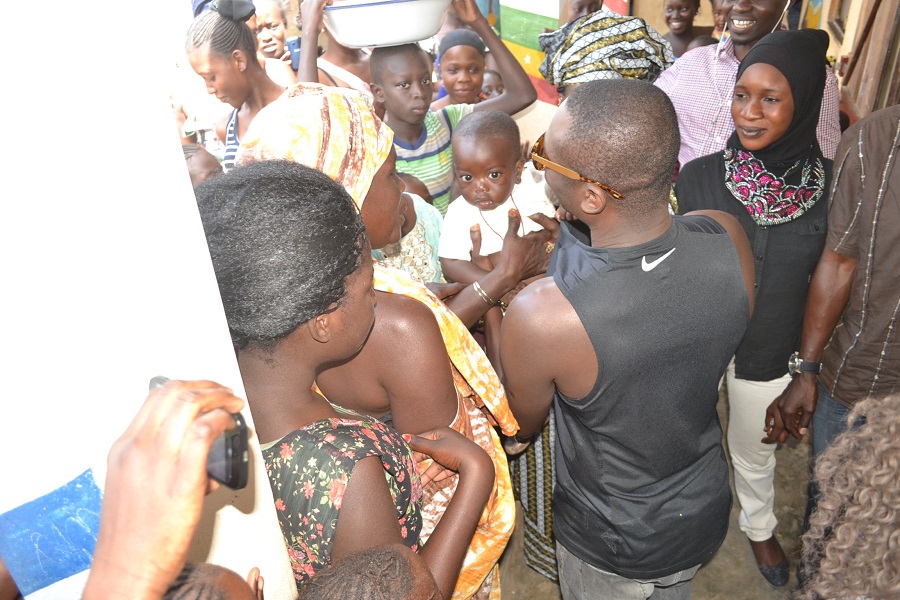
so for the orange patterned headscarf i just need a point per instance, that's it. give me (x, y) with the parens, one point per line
(334, 130)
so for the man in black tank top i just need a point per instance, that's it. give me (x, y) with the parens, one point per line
(626, 340)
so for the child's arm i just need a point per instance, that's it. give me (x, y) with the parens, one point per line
(312, 13)
(446, 548)
(368, 517)
(519, 91)
(461, 271)
(453, 246)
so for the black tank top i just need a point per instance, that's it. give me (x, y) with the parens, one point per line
(642, 483)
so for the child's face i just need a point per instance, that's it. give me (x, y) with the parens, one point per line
(679, 15)
(462, 72)
(487, 170)
(405, 88)
(492, 86)
(719, 14)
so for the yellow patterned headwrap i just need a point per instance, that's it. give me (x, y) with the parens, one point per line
(334, 130)
(604, 45)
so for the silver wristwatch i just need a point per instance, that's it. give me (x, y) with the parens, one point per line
(798, 365)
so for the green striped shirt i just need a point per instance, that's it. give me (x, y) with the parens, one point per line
(431, 157)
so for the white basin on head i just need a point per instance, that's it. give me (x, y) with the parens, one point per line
(366, 23)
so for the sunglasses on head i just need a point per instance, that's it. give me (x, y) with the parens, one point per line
(541, 162)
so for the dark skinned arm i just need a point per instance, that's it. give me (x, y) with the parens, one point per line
(519, 91)
(368, 517)
(829, 292)
(447, 546)
(414, 367)
(522, 257)
(462, 271)
(526, 353)
(311, 16)
(403, 368)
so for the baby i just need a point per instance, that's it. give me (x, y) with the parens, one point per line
(488, 165)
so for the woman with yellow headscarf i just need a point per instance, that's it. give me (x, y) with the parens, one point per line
(420, 368)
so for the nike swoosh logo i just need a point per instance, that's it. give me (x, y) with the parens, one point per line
(649, 266)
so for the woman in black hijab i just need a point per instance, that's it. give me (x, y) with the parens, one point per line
(773, 179)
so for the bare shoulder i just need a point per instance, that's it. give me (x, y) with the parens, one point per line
(540, 303)
(539, 297)
(404, 316)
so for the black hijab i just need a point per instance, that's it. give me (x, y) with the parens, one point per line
(800, 57)
(780, 182)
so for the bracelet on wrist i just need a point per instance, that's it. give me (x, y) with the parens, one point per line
(487, 299)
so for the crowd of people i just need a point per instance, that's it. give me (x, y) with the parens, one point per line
(434, 318)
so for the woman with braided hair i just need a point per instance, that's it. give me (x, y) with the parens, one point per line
(222, 50)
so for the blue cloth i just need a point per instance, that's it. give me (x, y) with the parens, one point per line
(200, 6)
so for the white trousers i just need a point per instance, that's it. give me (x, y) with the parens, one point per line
(753, 461)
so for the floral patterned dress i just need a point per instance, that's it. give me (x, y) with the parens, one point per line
(309, 470)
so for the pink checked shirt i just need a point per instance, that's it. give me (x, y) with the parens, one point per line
(701, 84)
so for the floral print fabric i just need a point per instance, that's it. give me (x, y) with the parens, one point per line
(309, 471)
(767, 197)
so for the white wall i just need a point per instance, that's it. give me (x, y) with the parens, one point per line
(106, 279)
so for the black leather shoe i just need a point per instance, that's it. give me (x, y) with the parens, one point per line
(777, 574)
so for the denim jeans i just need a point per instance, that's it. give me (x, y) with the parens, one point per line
(580, 581)
(829, 421)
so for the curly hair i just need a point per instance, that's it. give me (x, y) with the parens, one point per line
(283, 239)
(852, 548)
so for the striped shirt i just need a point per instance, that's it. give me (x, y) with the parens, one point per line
(701, 85)
(232, 143)
(863, 357)
(431, 157)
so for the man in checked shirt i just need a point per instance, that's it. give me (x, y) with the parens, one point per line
(701, 82)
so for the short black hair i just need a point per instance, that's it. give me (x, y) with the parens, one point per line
(205, 581)
(382, 54)
(493, 125)
(623, 133)
(283, 239)
(380, 573)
